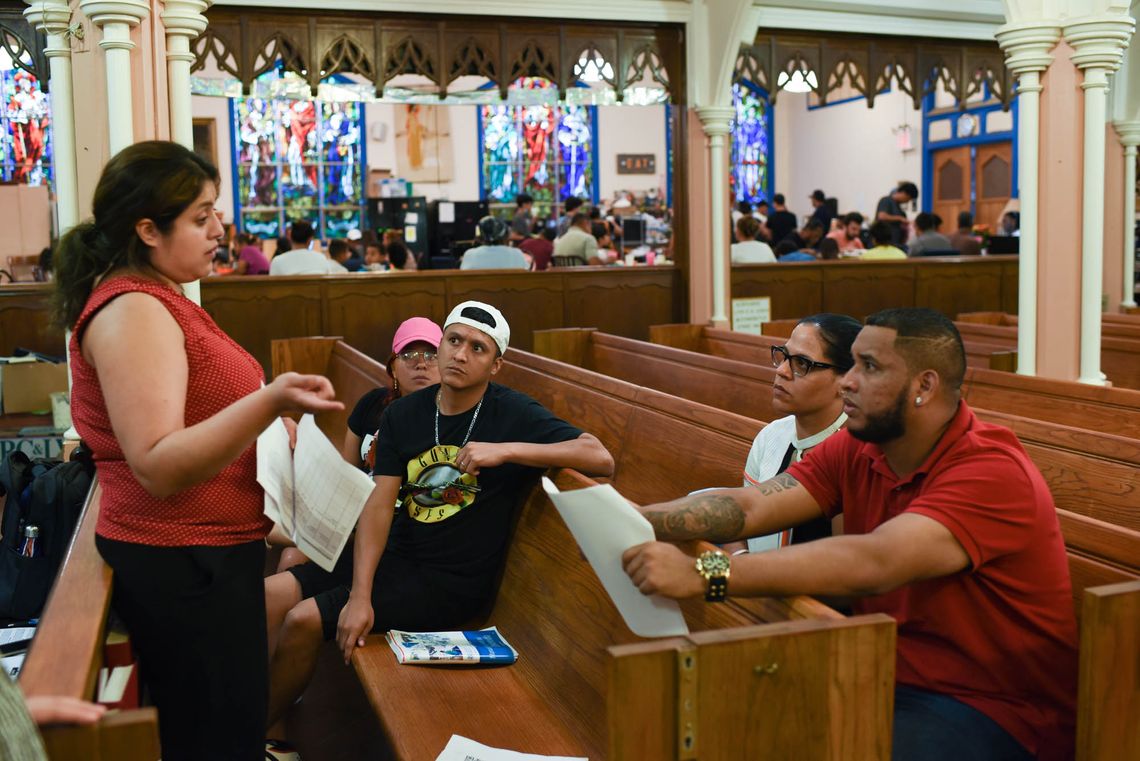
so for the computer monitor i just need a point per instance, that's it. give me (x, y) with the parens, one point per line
(632, 231)
(1005, 244)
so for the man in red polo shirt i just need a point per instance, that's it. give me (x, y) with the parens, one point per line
(949, 528)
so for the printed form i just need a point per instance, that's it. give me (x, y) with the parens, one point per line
(310, 492)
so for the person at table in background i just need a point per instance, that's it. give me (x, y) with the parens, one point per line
(523, 220)
(494, 254)
(341, 255)
(452, 462)
(578, 242)
(571, 207)
(806, 238)
(251, 260)
(540, 246)
(781, 222)
(786, 251)
(963, 239)
(1011, 224)
(881, 237)
(399, 257)
(172, 416)
(808, 390)
(890, 212)
(375, 260)
(949, 528)
(928, 238)
(283, 245)
(821, 210)
(303, 258)
(828, 249)
(747, 249)
(849, 236)
(607, 254)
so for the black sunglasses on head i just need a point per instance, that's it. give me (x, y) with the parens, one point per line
(801, 365)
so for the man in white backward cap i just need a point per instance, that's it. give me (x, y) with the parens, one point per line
(452, 461)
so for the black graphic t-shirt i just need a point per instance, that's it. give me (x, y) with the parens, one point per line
(454, 522)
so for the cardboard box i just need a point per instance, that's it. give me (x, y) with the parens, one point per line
(27, 386)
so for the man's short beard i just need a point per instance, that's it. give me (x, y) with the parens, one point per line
(886, 427)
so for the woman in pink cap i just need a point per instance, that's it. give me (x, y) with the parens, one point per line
(411, 366)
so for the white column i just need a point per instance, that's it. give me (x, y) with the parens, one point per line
(1130, 137)
(52, 17)
(115, 18)
(184, 21)
(717, 123)
(1099, 44)
(1027, 49)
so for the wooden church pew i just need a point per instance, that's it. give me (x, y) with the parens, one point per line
(1079, 405)
(746, 347)
(1090, 474)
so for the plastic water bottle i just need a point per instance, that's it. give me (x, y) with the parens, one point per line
(31, 537)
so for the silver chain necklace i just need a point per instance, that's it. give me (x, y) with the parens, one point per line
(470, 428)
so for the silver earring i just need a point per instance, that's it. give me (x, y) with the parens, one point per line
(917, 401)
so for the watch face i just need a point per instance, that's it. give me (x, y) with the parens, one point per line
(714, 563)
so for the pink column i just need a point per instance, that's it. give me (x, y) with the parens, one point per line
(1113, 218)
(700, 234)
(1059, 228)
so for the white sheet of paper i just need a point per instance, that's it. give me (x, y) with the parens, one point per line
(605, 525)
(463, 749)
(312, 493)
(16, 633)
(411, 218)
(446, 212)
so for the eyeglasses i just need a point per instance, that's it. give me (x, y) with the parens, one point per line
(801, 365)
(412, 357)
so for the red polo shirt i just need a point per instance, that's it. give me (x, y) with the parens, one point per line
(1000, 636)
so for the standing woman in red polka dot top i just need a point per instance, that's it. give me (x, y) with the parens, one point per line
(171, 408)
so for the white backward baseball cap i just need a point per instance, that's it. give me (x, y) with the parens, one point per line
(467, 314)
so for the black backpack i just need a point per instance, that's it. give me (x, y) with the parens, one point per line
(49, 495)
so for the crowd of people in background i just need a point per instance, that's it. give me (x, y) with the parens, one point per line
(767, 235)
(582, 234)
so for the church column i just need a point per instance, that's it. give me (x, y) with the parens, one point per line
(183, 21)
(115, 18)
(717, 124)
(1099, 43)
(1129, 132)
(1027, 49)
(52, 17)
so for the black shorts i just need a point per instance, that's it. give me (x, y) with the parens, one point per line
(406, 594)
(196, 616)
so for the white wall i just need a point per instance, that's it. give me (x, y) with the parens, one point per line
(630, 129)
(381, 153)
(847, 150)
(218, 109)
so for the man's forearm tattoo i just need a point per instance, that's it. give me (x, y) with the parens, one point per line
(782, 482)
(715, 517)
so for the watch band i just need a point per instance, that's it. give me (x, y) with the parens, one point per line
(717, 589)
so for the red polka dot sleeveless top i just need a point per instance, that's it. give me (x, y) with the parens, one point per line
(225, 510)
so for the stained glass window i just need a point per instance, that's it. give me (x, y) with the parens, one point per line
(543, 149)
(750, 149)
(26, 127)
(298, 159)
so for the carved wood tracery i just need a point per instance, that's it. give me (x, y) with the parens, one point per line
(871, 64)
(247, 42)
(21, 40)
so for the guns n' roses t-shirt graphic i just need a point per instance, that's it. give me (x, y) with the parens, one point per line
(436, 489)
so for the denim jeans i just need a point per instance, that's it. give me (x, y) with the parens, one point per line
(933, 727)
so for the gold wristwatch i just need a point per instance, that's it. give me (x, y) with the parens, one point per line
(714, 567)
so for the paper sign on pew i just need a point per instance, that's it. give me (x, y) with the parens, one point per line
(605, 525)
(460, 748)
(310, 492)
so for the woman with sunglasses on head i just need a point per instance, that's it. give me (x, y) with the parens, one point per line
(411, 366)
(809, 371)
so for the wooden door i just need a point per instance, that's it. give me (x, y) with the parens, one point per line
(951, 185)
(993, 182)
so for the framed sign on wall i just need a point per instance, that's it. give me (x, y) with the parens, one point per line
(636, 163)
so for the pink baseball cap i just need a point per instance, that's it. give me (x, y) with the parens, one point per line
(416, 329)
